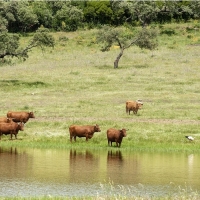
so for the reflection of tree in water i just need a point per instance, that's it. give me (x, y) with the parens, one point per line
(83, 166)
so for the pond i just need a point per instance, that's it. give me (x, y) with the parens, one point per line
(41, 172)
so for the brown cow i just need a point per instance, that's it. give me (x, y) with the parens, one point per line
(83, 131)
(133, 106)
(114, 135)
(5, 120)
(20, 116)
(11, 128)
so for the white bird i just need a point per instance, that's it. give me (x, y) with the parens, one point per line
(189, 138)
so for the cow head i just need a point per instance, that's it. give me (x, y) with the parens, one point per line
(123, 132)
(21, 126)
(9, 120)
(139, 103)
(31, 115)
(96, 128)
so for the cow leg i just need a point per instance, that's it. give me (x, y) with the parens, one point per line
(11, 135)
(74, 138)
(1, 135)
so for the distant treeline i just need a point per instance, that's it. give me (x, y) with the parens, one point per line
(27, 16)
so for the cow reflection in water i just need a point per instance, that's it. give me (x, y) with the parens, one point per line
(123, 167)
(83, 166)
(13, 163)
(81, 155)
(8, 151)
(115, 165)
(114, 157)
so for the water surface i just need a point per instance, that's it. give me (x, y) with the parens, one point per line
(39, 172)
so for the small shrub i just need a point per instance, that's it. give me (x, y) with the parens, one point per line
(74, 73)
(79, 40)
(141, 66)
(189, 36)
(26, 107)
(63, 39)
(189, 29)
(168, 31)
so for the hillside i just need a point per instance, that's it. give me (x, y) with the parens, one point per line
(75, 83)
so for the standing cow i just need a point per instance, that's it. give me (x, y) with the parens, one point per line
(133, 106)
(114, 135)
(83, 131)
(11, 128)
(20, 116)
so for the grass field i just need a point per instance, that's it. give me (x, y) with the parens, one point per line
(75, 83)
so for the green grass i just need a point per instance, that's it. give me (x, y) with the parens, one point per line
(75, 83)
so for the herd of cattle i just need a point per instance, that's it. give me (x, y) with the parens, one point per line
(14, 122)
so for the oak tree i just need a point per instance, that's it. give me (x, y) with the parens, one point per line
(125, 38)
(10, 45)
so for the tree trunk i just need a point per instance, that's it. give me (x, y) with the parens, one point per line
(118, 58)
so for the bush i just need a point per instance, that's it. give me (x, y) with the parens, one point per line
(63, 39)
(168, 31)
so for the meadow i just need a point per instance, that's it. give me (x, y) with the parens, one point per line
(75, 83)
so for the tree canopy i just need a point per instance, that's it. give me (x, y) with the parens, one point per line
(70, 15)
(19, 17)
(10, 46)
(125, 38)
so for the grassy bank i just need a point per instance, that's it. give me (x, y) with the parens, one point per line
(141, 137)
(75, 83)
